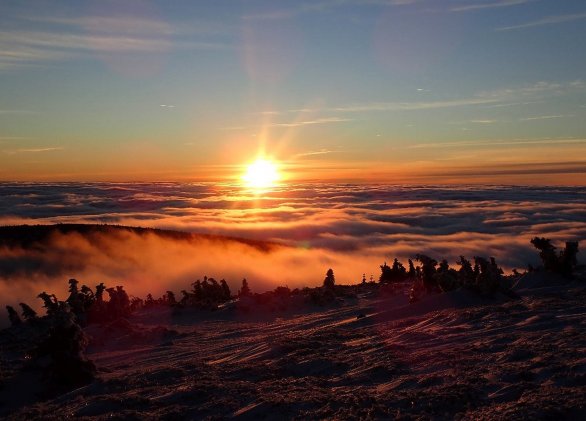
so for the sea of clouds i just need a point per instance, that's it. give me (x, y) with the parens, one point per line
(351, 228)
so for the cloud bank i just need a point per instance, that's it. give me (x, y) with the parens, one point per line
(351, 228)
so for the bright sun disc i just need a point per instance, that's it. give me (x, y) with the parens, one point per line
(261, 174)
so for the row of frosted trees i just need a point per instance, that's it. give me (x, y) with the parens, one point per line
(206, 294)
(484, 276)
(88, 306)
(432, 276)
(429, 275)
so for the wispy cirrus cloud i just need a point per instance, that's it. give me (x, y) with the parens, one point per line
(413, 106)
(233, 128)
(321, 6)
(128, 24)
(483, 121)
(301, 123)
(325, 5)
(546, 117)
(33, 150)
(534, 90)
(549, 20)
(15, 111)
(538, 168)
(489, 5)
(6, 138)
(500, 142)
(314, 153)
(298, 123)
(82, 42)
(512, 104)
(503, 97)
(64, 38)
(74, 41)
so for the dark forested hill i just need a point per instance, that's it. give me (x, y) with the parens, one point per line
(27, 236)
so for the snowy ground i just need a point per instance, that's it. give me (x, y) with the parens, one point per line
(446, 357)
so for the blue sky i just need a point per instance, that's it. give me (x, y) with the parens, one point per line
(384, 90)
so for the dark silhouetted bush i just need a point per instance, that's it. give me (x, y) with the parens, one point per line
(68, 368)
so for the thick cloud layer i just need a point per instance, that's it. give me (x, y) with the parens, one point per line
(352, 228)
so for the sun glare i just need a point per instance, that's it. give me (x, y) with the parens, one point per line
(261, 174)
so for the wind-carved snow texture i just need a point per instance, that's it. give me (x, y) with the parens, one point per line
(447, 356)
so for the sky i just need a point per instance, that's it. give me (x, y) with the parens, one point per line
(398, 91)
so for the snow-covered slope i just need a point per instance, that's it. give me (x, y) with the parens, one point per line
(445, 357)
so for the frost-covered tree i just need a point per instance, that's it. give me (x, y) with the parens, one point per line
(398, 269)
(27, 312)
(197, 290)
(411, 274)
(445, 277)
(119, 303)
(13, 316)
(150, 301)
(73, 291)
(490, 276)
(214, 293)
(546, 253)
(394, 273)
(100, 288)
(170, 298)
(562, 263)
(428, 271)
(186, 297)
(50, 302)
(226, 294)
(245, 289)
(568, 259)
(466, 275)
(385, 274)
(87, 297)
(329, 280)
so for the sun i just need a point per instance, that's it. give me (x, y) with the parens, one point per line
(261, 174)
